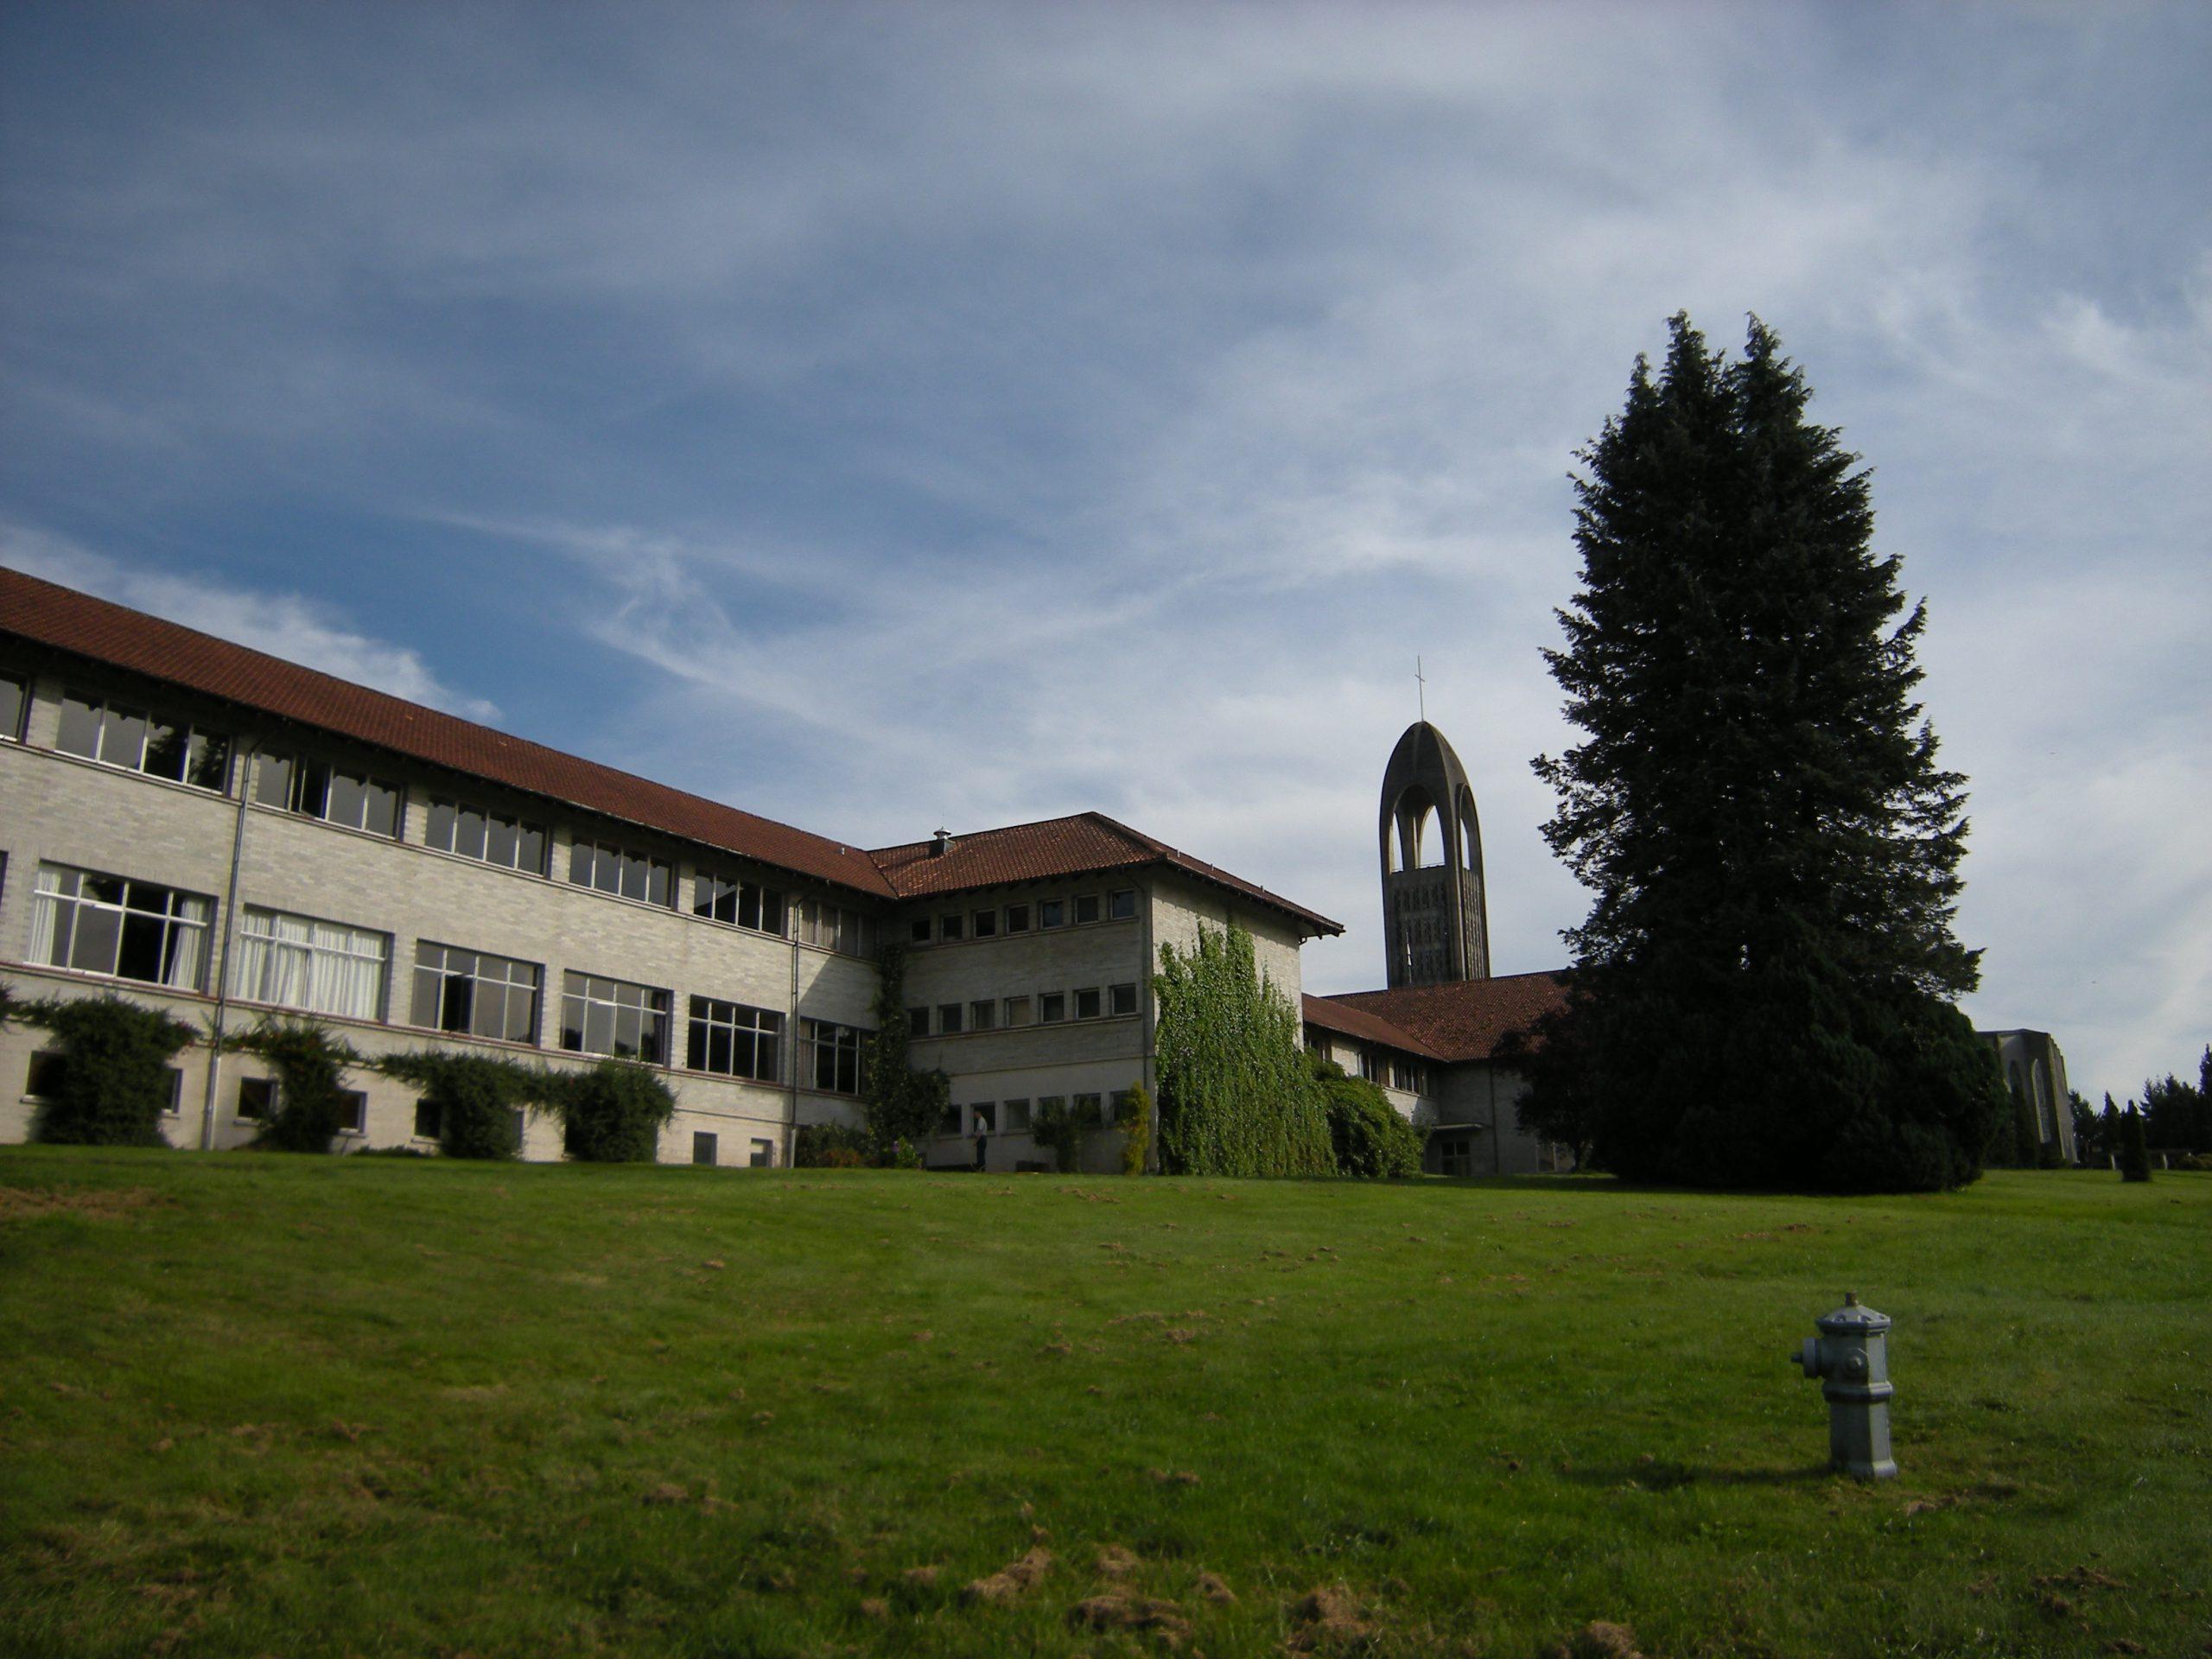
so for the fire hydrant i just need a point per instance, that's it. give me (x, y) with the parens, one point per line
(1852, 1355)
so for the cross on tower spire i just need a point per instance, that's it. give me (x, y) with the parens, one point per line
(1422, 693)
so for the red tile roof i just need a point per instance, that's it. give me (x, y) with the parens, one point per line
(1088, 844)
(1332, 1015)
(1464, 1021)
(95, 628)
(75, 622)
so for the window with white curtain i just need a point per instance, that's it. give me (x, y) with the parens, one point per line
(112, 925)
(298, 962)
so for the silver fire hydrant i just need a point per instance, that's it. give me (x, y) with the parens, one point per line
(1852, 1354)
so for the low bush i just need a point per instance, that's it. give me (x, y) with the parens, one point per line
(479, 1100)
(310, 1065)
(1370, 1141)
(612, 1114)
(114, 1082)
(832, 1146)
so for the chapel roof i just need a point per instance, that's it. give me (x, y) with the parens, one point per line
(1332, 1015)
(1467, 1019)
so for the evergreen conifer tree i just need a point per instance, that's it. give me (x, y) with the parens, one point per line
(2135, 1150)
(1764, 984)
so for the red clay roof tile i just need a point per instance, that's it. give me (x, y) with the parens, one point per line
(1463, 1021)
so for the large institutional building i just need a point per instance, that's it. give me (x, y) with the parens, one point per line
(227, 836)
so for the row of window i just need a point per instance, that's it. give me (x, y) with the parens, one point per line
(1015, 1116)
(119, 735)
(1085, 908)
(1039, 1009)
(125, 929)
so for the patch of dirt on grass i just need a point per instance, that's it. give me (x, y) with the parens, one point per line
(1173, 1477)
(667, 1493)
(1115, 1563)
(921, 1578)
(2081, 1578)
(1009, 1580)
(1117, 1611)
(1214, 1588)
(95, 1204)
(1328, 1617)
(1599, 1640)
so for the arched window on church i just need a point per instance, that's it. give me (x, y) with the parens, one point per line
(1428, 849)
(2046, 1107)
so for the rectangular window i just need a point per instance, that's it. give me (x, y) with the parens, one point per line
(479, 833)
(1371, 1065)
(131, 738)
(1121, 906)
(1086, 1003)
(1455, 1154)
(47, 1075)
(920, 932)
(127, 930)
(702, 1146)
(427, 1123)
(344, 796)
(1086, 907)
(1052, 912)
(297, 961)
(1017, 1116)
(829, 1056)
(949, 1123)
(982, 1016)
(1089, 1109)
(612, 1016)
(1017, 919)
(353, 1112)
(603, 868)
(1122, 999)
(917, 1022)
(984, 924)
(949, 928)
(743, 904)
(763, 1154)
(735, 1041)
(951, 1019)
(1019, 1011)
(833, 927)
(1123, 1101)
(13, 697)
(257, 1100)
(476, 993)
(984, 1114)
(1051, 1008)
(1048, 1105)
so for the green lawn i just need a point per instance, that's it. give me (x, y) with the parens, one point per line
(256, 1405)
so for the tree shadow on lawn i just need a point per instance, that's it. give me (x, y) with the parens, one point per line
(1662, 1475)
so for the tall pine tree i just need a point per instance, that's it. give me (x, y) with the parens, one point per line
(1764, 984)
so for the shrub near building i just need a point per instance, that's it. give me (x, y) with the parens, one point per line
(114, 1081)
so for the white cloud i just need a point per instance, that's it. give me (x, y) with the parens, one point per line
(289, 626)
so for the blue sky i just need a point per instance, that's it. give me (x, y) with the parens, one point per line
(883, 417)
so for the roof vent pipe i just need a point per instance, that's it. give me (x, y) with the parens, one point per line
(939, 842)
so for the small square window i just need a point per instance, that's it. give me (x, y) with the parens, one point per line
(1121, 906)
(257, 1099)
(48, 1075)
(428, 1120)
(175, 1104)
(1124, 1105)
(1122, 999)
(949, 928)
(1087, 1108)
(763, 1154)
(984, 1114)
(1052, 912)
(1019, 1011)
(353, 1112)
(949, 1019)
(920, 934)
(1017, 919)
(949, 1122)
(703, 1145)
(1051, 1008)
(1086, 907)
(1086, 1003)
(982, 1016)
(984, 924)
(1017, 1116)
(917, 1022)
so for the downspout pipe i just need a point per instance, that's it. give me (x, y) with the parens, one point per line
(221, 966)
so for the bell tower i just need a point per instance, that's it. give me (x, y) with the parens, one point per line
(1436, 920)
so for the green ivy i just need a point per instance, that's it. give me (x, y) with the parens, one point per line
(612, 1114)
(903, 1105)
(1236, 1096)
(1370, 1139)
(1059, 1128)
(310, 1065)
(1136, 1130)
(115, 1079)
(476, 1097)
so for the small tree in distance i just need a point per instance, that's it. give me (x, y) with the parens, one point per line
(1764, 986)
(2134, 1152)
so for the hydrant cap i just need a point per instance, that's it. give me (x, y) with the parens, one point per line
(1851, 1319)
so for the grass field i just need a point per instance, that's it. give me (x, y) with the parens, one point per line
(255, 1405)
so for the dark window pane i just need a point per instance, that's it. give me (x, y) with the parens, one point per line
(346, 800)
(80, 727)
(425, 1011)
(468, 832)
(140, 957)
(167, 750)
(11, 707)
(211, 761)
(531, 854)
(1122, 905)
(123, 737)
(499, 842)
(657, 890)
(274, 786)
(606, 870)
(921, 930)
(313, 789)
(1052, 912)
(1086, 907)
(580, 863)
(426, 1120)
(443, 815)
(1017, 919)
(381, 813)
